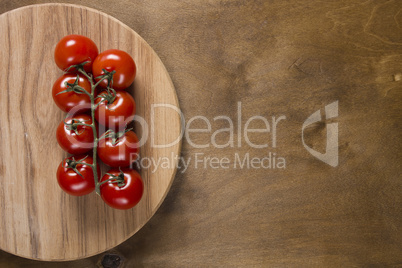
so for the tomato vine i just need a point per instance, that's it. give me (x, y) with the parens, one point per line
(75, 92)
(109, 98)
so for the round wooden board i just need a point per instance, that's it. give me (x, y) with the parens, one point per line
(38, 220)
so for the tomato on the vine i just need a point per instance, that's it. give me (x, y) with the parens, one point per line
(69, 178)
(119, 150)
(118, 112)
(125, 194)
(75, 49)
(120, 62)
(74, 92)
(71, 100)
(73, 138)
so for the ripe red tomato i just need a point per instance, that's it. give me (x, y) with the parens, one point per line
(75, 49)
(115, 60)
(122, 153)
(71, 182)
(72, 142)
(124, 197)
(116, 114)
(69, 100)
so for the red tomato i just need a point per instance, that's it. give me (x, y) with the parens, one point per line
(71, 182)
(69, 100)
(75, 49)
(115, 60)
(72, 142)
(116, 114)
(122, 197)
(122, 153)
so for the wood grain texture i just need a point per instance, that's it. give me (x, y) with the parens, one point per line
(39, 220)
(277, 57)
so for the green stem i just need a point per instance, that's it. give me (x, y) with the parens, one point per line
(84, 91)
(97, 83)
(111, 97)
(116, 179)
(83, 163)
(83, 124)
(87, 76)
(94, 130)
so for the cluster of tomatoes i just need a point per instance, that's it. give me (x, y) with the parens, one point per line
(92, 93)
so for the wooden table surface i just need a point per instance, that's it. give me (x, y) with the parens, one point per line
(277, 58)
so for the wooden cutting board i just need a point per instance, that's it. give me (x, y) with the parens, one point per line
(38, 220)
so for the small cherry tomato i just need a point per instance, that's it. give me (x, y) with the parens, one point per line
(118, 113)
(69, 179)
(124, 194)
(73, 138)
(118, 151)
(120, 62)
(72, 100)
(75, 49)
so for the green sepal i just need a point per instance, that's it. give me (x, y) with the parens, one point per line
(79, 66)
